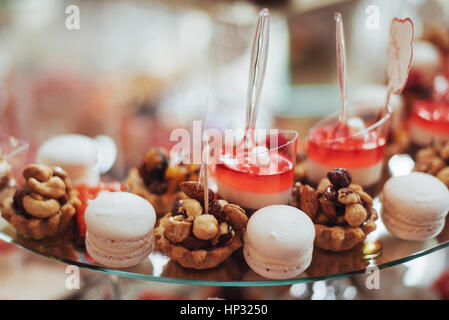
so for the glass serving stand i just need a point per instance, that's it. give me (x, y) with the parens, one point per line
(380, 249)
(234, 271)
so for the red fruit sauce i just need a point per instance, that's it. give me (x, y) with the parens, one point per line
(431, 115)
(330, 148)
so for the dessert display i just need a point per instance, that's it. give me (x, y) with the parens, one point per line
(44, 205)
(279, 242)
(267, 180)
(341, 211)
(87, 193)
(352, 139)
(247, 220)
(119, 229)
(359, 146)
(356, 139)
(414, 207)
(157, 180)
(434, 160)
(429, 120)
(254, 173)
(196, 239)
(75, 153)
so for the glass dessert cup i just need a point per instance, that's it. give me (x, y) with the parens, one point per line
(358, 147)
(261, 175)
(429, 121)
(13, 153)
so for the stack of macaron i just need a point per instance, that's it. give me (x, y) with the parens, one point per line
(119, 229)
(414, 206)
(278, 242)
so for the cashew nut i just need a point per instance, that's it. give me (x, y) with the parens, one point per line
(39, 172)
(40, 208)
(61, 173)
(53, 188)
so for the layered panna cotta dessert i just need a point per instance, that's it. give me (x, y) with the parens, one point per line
(354, 147)
(255, 184)
(429, 120)
(427, 63)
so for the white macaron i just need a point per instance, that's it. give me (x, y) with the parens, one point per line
(77, 154)
(278, 242)
(414, 206)
(119, 229)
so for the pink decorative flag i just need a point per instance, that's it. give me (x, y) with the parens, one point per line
(400, 53)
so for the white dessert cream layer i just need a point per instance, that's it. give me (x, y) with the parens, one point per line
(423, 137)
(365, 176)
(252, 200)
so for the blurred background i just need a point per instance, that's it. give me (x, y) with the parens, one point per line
(134, 70)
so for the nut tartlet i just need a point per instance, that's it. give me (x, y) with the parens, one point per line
(197, 240)
(44, 205)
(157, 180)
(341, 211)
(434, 160)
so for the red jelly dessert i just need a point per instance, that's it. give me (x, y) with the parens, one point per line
(360, 151)
(87, 193)
(429, 120)
(255, 184)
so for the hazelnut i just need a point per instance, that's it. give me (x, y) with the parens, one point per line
(436, 165)
(355, 214)
(205, 227)
(426, 154)
(340, 178)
